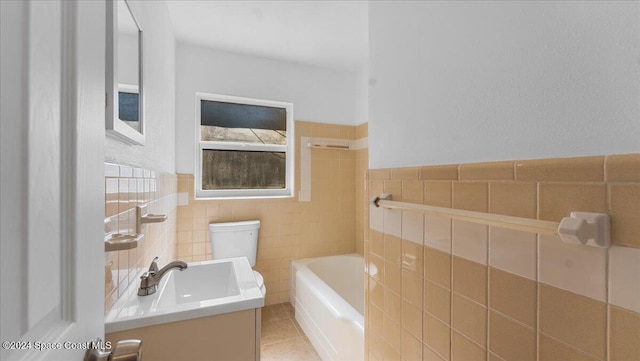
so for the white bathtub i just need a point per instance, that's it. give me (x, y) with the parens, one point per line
(328, 296)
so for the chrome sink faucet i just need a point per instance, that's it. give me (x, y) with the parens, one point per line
(149, 280)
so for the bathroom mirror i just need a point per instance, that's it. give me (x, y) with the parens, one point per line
(124, 81)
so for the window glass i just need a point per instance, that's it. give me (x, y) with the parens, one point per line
(233, 169)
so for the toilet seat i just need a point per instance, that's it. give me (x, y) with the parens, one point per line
(260, 281)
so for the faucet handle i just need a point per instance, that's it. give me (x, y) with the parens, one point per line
(154, 265)
(147, 284)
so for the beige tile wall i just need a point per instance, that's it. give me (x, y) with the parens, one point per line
(289, 229)
(125, 188)
(362, 204)
(449, 290)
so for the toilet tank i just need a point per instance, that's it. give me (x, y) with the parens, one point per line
(234, 239)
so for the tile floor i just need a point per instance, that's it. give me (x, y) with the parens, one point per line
(282, 337)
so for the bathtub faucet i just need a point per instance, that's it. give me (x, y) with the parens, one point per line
(149, 280)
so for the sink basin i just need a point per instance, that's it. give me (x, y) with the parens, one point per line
(203, 289)
(198, 283)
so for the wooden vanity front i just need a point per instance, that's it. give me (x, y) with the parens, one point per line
(224, 337)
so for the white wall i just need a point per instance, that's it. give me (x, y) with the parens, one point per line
(159, 82)
(362, 95)
(318, 94)
(456, 82)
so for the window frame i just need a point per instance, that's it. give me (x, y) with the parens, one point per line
(288, 149)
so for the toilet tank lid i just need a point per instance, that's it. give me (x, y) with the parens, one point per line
(234, 226)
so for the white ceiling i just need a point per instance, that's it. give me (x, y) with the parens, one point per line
(324, 33)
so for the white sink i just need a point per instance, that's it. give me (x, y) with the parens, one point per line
(198, 283)
(203, 289)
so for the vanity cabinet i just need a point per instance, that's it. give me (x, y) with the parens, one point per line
(228, 336)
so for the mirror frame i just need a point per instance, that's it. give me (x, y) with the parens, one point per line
(114, 126)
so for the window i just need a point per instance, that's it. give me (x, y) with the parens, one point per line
(245, 147)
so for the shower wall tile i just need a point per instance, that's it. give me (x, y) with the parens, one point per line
(436, 335)
(405, 173)
(486, 171)
(412, 319)
(376, 218)
(412, 258)
(583, 169)
(511, 340)
(375, 324)
(513, 199)
(376, 268)
(437, 301)
(412, 288)
(413, 227)
(390, 353)
(361, 194)
(624, 207)
(581, 270)
(576, 320)
(470, 279)
(430, 355)
(554, 350)
(411, 346)
(558, 200)
(391, 331)
(393, 277)
(513, 296)
(376, 349)
(470, 319)
(439, 172)
(470, 241)
(392, 222)
(393, 249)
(362, 131)
(513, 251)
(392, 304)
(437, 232)
(624, 334)
(393, 187)
(437, 194)
(489, 292)
(471, 196)
(413, 191)
(624, 277)
(463, 349)
(437, 267)
(381, 174)
(623, 168)
(376, 242)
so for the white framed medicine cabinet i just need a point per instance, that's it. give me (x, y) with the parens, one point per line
(125, 74)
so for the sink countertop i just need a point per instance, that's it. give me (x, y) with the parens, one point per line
(133, 311)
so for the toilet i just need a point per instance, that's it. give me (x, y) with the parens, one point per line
(236, 239)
